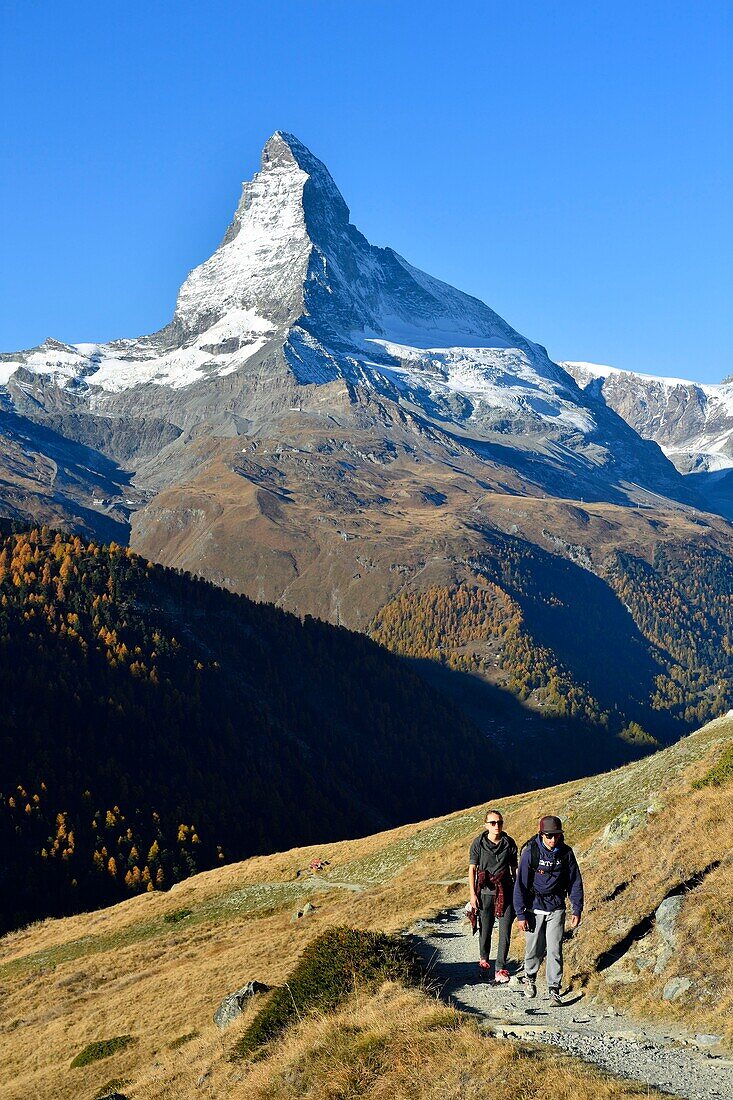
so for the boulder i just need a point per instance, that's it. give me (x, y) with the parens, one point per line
(666, 917)
(233, 1005)
(304, 912)
(622, 826)
(674, 988)
(666, 926)
(704, 1040)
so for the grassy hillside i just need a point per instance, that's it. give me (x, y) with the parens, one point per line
(153, 725)
(156, 966)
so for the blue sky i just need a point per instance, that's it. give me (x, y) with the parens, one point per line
(568, 163)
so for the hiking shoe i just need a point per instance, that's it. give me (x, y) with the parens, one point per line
(502, 977)
(484, 968)
(530, 987)
(554, 998)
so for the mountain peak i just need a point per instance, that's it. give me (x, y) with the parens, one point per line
(294, 276)
(285, 151)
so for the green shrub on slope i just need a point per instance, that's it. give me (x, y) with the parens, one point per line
(326, 974)
(104, 1048)
(721, 772)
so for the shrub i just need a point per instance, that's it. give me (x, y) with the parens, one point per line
(182, 1040)
(720, 773)
(102, 1049)
(112, 1088)
(177, 915)
(325, 975)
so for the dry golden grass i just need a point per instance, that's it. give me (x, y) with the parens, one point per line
(126, 971)
(396, 1043)
(689, 832)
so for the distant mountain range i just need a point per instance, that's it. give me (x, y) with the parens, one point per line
(692, 422)
(325, 427)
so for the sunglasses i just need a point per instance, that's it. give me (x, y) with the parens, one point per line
(494, 822)
(549, 836)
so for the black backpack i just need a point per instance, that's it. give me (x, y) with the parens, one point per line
(534, 861)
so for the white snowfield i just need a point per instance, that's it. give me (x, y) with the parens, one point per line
(265, 260)
(500, 378)
(124, 364)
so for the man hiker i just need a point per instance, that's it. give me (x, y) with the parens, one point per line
(548, 874)
(491, 871)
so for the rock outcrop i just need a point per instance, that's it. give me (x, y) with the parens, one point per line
(234, 1004)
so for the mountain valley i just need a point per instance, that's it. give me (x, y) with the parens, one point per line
(154, 725)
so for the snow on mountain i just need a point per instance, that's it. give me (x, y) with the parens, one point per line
(692, 422)
(293, 274)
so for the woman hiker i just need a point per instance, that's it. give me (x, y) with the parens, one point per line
(492, 870)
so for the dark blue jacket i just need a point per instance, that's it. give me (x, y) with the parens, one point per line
(556, 878)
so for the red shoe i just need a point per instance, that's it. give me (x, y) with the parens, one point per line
(502, 977)
(484, 967)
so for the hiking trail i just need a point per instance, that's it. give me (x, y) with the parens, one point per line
(665, 1056)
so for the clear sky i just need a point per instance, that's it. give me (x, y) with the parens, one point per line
(570, 164)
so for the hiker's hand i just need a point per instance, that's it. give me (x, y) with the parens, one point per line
(474, 901)
(574, 920)
(523, 924)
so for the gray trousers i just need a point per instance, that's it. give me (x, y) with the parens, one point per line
(545, 939)
(486, 919)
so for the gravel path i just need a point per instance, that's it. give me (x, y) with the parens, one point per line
(670, 1059)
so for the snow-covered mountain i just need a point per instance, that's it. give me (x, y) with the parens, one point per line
(293, 276)
(691, 422)
(325, 427)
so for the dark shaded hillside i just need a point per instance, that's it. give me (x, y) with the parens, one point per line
(616, 661)
(152, 724)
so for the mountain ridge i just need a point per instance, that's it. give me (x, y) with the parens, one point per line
(691, 421)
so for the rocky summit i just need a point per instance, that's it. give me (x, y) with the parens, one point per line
(295, 295)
